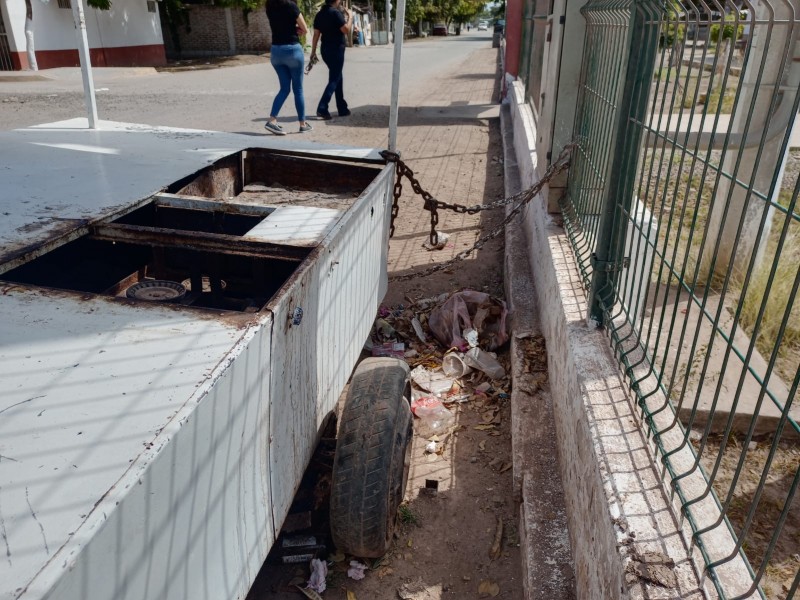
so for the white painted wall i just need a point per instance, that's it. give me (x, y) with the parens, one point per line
(127, 24)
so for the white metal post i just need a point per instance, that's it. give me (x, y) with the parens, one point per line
(86, 62)
(394, 106)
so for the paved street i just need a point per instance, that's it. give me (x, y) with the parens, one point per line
(226, 99)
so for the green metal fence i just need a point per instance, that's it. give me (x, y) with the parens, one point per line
(682, 210)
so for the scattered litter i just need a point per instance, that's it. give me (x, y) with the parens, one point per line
(434, 417)
(483, 427)
(309, 593)
(418, 590)
(434, 382)
(441, 241)
(417, 326)
(453, 365)
(426, 303)
(319, 571)
(483, 361)
(487, 587)
(411, 354)
(471, 335)
(395, 349)
(431, 448)
(467, 310)
(494, 551)
(384, 330)
(356, 570)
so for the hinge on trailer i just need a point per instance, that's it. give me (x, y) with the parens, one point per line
(549, 156)
(562, 19)
(610, 266)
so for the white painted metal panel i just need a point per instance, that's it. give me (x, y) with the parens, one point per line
(339, 292)
(296, 225)
(133, 449)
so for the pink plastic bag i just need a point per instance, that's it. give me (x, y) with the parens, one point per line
(470, 310)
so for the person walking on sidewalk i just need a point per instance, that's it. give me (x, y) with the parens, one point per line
(331, 25)
(286, 57)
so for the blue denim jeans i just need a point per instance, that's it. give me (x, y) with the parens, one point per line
(334, 59)
(287, 60)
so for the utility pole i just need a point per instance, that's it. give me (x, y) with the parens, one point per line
(86, 62)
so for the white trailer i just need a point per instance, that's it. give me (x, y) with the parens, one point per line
(152, 449)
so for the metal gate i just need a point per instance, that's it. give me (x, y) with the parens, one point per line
(682, 210)
(5, 50)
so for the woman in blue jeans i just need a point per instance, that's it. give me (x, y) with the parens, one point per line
(286, 57)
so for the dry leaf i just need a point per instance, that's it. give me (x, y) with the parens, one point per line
(487, 417)
(483, 427)
(351, 595)
(487, 587)
(410, 543)
(309, 593)
(482, 445)
(505, 467)
(385, 571)
(337, 558)
(494, 551)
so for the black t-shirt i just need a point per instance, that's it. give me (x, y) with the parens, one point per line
(329, 21)
(283, 21)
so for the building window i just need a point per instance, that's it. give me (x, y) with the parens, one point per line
(64, 4)
(151, 6)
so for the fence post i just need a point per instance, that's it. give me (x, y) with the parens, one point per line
(608, 258)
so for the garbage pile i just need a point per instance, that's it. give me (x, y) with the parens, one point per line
(448, 340)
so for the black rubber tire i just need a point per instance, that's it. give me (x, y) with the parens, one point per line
(370, 468)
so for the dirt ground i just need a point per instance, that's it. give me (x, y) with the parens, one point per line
(443, 547)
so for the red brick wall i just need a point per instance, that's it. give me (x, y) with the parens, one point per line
(207, 32)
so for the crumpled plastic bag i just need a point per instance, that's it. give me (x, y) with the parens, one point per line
(467, 310)
(319, 571)
(356, 570)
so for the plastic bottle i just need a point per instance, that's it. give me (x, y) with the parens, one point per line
(434, 418)
(478, 359)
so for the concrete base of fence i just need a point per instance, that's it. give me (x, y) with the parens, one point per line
(624, 538)
(544, 536)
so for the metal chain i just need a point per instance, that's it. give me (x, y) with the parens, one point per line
(431, 204)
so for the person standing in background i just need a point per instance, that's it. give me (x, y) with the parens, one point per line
(286, 57)
(331, 25)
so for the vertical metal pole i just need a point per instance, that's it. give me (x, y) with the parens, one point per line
(394, 106)
(86, 62)
(608, 255)
(388, 19)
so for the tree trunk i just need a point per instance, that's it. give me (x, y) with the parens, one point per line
(32, 65)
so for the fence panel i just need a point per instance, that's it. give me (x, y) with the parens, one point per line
(683, 214)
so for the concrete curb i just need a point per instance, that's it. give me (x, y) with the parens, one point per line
(544, 536)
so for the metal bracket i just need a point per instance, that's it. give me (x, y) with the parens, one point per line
(610, 266)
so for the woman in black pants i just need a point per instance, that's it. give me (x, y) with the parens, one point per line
(331, 25)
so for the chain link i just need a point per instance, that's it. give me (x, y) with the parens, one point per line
(431, 204)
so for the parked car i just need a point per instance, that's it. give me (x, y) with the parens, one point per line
(483, 26)
(439, 29)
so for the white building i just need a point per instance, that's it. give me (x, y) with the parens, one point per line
(129, 34)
